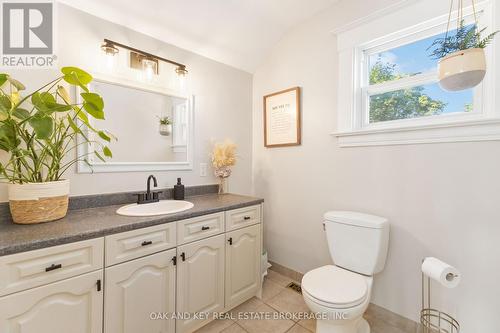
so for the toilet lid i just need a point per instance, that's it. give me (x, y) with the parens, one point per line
(335, 286)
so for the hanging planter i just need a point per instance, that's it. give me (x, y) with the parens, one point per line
(462, 60)
(165, 130)
(165, 127)
(462, 70)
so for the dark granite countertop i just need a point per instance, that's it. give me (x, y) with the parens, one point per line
(89, 223)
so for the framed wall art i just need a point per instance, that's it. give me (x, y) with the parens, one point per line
(282, 118)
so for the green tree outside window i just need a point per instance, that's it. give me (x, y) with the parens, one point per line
(399, 104)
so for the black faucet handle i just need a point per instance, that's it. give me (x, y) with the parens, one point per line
(156, 195)
(141, 197)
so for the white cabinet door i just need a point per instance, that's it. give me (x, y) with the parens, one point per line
(243, 248)
(139, 290)
(200, 281)
(74, 305)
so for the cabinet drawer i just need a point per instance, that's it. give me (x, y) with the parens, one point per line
(200, 227)
(137, 243)
(35, 268)
(242, 217)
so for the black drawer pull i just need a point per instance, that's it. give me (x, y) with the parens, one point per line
(53, 267)
(246, 218)
(146, 243)
(205, 228)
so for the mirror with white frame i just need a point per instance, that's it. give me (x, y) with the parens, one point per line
(133, 112)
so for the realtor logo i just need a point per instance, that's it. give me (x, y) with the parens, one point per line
(27, 34)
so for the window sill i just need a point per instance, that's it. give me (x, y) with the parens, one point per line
(479, 130)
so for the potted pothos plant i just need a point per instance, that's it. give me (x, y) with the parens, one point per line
(462, 61)
(165, 128)
(38, 133)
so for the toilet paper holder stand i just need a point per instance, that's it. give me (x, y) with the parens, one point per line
(434, 320)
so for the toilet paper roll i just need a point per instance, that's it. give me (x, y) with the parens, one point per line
(441, 272)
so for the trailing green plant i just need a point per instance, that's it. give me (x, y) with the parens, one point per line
(39, 130)
(465, 37)
(165, 120)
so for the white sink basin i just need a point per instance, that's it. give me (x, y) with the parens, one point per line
(156, 208)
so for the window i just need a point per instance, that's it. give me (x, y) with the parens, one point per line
(390, 92)
(401, 83)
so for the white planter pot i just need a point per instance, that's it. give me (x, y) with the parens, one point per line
(165, 130)
(38, 202)
(462, 70)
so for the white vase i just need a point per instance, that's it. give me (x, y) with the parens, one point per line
(38, 202)
(462, 70)
(165, 130)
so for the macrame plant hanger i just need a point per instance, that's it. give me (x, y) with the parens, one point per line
(462, 69)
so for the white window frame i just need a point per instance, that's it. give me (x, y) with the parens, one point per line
(377, 35)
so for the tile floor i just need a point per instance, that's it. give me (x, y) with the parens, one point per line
(276, 297)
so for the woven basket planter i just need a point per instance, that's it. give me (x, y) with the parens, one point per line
(38, 202)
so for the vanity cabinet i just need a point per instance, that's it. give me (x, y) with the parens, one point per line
(136, 289)
(136, 281)
(74, 305)
(243, 273)
(200, 281)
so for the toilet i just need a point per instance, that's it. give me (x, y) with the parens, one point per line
(339, 294)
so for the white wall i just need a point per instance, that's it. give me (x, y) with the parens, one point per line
(223, 101)
(441, 199)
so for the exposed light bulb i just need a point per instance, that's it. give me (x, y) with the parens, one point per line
(181, 79)
(149, 67)
(109, 51)
(109, 61)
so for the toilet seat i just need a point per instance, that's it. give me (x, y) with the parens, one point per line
(335, 287)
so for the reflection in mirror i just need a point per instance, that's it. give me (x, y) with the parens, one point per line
(152, 128)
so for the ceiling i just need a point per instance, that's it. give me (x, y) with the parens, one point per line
(239, 33)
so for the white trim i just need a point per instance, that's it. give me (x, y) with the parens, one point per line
(133, 166)
(404, 83)
(372, 16)
(469, 131)
(179, 148)
(98, 167)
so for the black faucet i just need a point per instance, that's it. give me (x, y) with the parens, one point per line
(155, 184)
(148, 197)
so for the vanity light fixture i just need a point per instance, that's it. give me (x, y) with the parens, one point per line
(142, 60)
(108, 48)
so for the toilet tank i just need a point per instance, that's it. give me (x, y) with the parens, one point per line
(357, 242)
